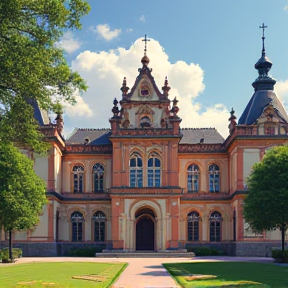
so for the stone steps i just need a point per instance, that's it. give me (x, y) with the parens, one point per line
(144, 254)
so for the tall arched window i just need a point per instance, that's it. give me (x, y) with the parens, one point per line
(136, 171)
(193, 178)
(214, 178)
(77, 221)
(154, 171)
(98, 177)
(78, 178)
(215, 226)
(99, 220)
(193, 226)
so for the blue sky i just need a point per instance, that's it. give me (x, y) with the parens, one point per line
(221, 39)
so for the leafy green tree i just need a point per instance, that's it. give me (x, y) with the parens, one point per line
(32, 63)
(266, 205)
(22, 192)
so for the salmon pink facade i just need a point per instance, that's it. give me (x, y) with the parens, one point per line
(148, 184)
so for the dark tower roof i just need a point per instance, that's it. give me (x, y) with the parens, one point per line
(264, 94)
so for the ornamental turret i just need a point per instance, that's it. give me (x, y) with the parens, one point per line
(263, 65)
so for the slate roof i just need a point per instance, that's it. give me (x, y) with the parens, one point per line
(40, 115)
(101, 136)
(95, 136)
(194, 135)
(256, 105)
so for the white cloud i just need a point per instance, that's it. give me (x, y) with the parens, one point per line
(104, 74)
(69, 42)
(286, 7)
(281, 89)
(79, 109)
(129, 30)
(105, 32)
(142, 19)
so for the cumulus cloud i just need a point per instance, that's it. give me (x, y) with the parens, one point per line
(69, 42)
(142, 19)
(281, 89)
(104, 72)
(105, 32)
(79, 109)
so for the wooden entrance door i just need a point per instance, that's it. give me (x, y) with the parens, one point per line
(145, 234)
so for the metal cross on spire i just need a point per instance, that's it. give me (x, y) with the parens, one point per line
(145, 40)
(263, 36)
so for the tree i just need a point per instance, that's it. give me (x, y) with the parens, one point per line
(32, 63)
(266, 205)
(22, 192)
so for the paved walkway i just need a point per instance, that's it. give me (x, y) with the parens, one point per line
(143, 272)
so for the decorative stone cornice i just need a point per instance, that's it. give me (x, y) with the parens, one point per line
(144, 132)
(88, 149)
(146, 191)
(201, 148)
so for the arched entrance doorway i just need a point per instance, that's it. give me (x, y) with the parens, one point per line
(145, 229)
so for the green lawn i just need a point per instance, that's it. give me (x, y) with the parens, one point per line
(229, 274)
(60, 274)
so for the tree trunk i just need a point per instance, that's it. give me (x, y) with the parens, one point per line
(10, 245)
(283, 230)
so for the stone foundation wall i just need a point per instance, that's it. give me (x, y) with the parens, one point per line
(226, 248)
(29, 249)
(63, 248)
(257, 249)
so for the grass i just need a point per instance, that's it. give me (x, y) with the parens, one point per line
(229, 274)
(60, 274)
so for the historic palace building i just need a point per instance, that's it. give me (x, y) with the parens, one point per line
(148, 184)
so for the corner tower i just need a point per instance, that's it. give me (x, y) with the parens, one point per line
(264, 96)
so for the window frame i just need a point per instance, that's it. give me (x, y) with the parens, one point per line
(99, 220)
(136, 172)
(191, 175)
(97, 172)
(154, 172)
(77, 224)
(215, 226)
(214, 177)
(80, 178)
(193, 217)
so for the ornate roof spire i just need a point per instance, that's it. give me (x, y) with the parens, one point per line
(124, 88)
(166, 88)
(145, 60)
(263, 65)
(263, 37)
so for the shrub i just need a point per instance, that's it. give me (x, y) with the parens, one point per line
(202, 251)
(205, 251)
(4, 254)
(84, 252)
(277, 255)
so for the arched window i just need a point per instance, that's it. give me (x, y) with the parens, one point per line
(136, 171)
(77, 221)
(193, 226)
(99, 220)
(193, 178)
(215, 226)
(145, 122)
(214, 178)
(78, 178)
(98, 177)
(154, 171)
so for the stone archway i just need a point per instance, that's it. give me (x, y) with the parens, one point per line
(145, 229)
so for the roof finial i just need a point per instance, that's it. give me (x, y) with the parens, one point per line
(263, 37)
(145, 40)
